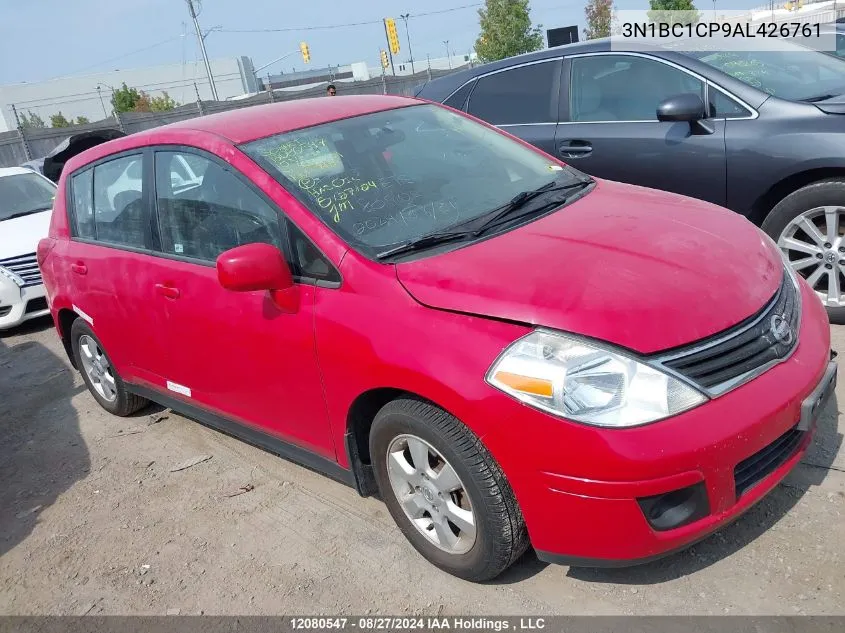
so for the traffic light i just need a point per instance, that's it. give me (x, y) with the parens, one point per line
(385, 62)
(392, 36)
(306, 54)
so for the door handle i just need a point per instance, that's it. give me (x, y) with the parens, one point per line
(573, 149)
(79, 268)
(168, 291)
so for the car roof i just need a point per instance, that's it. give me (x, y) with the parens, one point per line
(249, 123)
(439, 89)
(254, 122)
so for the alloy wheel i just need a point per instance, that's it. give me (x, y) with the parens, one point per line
(815, 246)
(431, 494)
(96, 366)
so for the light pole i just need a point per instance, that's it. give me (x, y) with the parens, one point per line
(201, 40)
(100, 94)
(405, 17)
(102, 103)
(446, 44)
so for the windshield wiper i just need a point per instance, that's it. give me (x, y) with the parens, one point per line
(426, 241)
(819, 98)
(506, 211)
(20, 214)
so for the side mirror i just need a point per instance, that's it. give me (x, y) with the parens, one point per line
(258, 266)
(684, 107)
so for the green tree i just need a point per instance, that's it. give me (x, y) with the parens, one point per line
(82, 120)
(673, 11)
(59, 120)
(31, 120)
(125, 99)
(599, 14)
(163, 103)
(506, 30)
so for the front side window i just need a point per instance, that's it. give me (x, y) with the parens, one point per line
(797, 74)
(624, 87)
(204, 209)
(518, 95)
(22, 194)
(389, 177)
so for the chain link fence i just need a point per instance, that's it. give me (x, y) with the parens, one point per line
(22, 145)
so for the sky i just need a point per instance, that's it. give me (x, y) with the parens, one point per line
(43, 39)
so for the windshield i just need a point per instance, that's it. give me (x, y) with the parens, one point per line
(21, 194)
(796, 74)
(389, 177)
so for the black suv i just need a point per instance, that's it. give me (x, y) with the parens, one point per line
(759, 132)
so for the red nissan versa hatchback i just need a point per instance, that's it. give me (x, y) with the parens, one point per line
(507, 351)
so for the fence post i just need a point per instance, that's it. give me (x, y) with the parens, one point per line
(119, 121)
(199, 100)
(26, 151)
(270, 89)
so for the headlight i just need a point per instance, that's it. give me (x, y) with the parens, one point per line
(15, 279)
(579, 381)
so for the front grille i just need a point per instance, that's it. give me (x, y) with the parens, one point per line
(25, 267)
(749, 472)
(36, 305)
(729, 358)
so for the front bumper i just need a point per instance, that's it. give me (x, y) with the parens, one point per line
(581, 489)
(22, 304)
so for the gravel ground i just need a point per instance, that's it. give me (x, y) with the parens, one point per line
(92, 520)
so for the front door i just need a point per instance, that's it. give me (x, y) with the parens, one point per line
(610, 128)
(236, 354)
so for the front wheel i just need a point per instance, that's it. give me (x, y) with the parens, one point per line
(809, 227)
(445, 491)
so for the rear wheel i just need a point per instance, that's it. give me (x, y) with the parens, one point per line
(809, 227)
(99, 374)
(445, 491)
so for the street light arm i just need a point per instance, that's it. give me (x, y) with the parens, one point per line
(286, 55)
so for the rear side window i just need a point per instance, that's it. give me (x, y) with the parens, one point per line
(118, 206)
(82, 192)
(107, 202)
(517, 95)
(204, 209)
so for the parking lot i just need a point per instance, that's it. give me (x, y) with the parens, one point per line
(94, 521)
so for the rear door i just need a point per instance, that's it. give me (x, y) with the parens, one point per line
(111, 242)
(523, 100)
(609, 126)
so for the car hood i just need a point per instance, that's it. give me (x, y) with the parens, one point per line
(636, 267)
(20, 236)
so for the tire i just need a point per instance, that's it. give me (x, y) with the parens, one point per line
(121, 403)
(809, 202)
(500, 536)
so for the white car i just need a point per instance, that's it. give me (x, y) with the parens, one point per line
(26, 203)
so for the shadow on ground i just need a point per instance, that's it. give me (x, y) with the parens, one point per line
(732, 538)
(42, 453)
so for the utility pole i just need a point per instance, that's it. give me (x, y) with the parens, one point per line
(201, 41)
(446, 43)
(405, 17)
